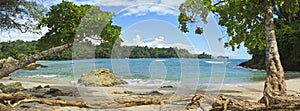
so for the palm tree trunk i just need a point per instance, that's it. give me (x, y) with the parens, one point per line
(275, 84)
(4, 72)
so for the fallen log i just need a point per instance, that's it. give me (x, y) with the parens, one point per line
(14, 97)
(148, 101)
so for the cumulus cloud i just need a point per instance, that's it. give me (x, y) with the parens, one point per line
(141, 7)
(158, 42)
(15, 35)
(131, 7)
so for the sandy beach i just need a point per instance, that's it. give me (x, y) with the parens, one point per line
(108, 95)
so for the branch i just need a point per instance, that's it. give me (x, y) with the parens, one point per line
(4, 72)
(52, 102)
(221, 1)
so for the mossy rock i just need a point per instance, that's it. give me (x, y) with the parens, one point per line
(12, 87)
(33, 66)
(100, 77)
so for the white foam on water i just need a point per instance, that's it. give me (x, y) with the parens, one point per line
(149, 82)
(217, 62)
(44, 76)
(160, 60)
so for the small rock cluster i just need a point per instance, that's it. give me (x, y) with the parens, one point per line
(39, 91)
(47, 92)
(11, 87)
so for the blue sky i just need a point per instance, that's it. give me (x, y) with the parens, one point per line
(152, 23)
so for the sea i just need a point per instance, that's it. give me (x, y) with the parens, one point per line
(155, 71)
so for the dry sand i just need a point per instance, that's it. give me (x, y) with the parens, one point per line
(251, 91)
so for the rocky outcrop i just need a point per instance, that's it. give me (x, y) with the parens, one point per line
(258, 62)
(8, 62)
(100, 77)
(33, 66)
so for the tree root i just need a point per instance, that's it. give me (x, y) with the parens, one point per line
(225, 103)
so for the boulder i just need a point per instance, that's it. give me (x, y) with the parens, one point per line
(12, 87)
(33, 66)
(100, 77)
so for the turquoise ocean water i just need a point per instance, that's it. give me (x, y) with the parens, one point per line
(193, 70)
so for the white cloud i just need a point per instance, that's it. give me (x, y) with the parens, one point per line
(131, 7)
(49, 3)
(172, 2)
(123, 3)
(142, 9)
(158, 42)
(15, 35)
(114, 2)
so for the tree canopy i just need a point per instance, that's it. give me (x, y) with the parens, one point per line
(20, 14)
(243, 19)
(67, 21)
(288, 38)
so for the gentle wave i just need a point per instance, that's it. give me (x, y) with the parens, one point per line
(217, 62)
(245, 68)
(43, 76)
(143, 82)
(160, 60)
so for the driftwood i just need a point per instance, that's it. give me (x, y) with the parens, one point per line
(148, 101)
(52, 102)
(10, 101)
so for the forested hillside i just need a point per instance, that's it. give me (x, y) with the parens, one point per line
(19, 49)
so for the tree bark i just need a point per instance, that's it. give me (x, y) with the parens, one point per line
(4, 72)
(275, 84)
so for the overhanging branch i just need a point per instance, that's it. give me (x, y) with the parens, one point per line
(221, 1)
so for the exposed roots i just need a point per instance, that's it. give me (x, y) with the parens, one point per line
(225, 103)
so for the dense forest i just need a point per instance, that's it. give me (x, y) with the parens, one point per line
(19, 49)
(288, 39)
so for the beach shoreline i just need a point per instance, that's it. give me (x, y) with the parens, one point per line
(248, 91)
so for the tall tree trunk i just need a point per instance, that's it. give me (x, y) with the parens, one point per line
(4, 72)
(274, 84)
